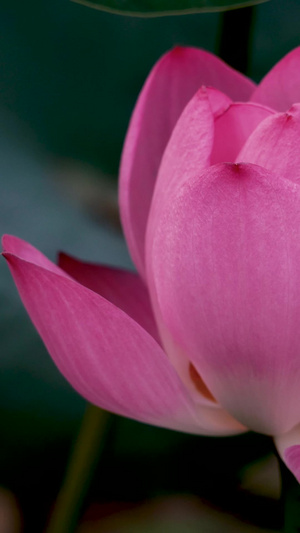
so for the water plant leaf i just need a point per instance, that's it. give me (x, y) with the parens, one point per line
(155, 8)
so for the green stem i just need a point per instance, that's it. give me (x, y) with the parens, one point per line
(290, 497)
(235, 37)
(79, 471)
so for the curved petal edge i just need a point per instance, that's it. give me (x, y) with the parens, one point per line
(171, 84)
(103, 353)
(280, 88)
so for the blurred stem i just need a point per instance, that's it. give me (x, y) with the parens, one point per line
(235, 36)
(79, 472)
(290, 497)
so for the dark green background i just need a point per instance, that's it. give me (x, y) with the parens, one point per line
(73, 73)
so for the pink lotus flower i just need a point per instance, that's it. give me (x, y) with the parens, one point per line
(210, 205)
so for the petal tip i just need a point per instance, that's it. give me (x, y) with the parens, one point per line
(177, 50)
(9, 243)
(180, 52)
(14, 246)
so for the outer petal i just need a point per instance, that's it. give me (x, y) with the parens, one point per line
(224, 269)
(233, 127)
(122, 288)
(106, 356)
(288, 446)
(171, 84)
(275, 144)
(280, 88)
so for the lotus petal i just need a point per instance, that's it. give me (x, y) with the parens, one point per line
(275, 144)
(280, 88)
(233, 127)
(171, 84)
(105, 355)
(224, 272)
(122, 288)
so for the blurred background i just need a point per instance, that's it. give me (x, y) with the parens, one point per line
(69, 77)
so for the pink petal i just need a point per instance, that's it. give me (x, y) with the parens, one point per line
(280, 88)
(17, 246)
(188, 151)
(171, 84)
(224, 270)
(123, 289)
(288, 447)
(275, 144)
(233, 127)
(189, 148)
(105, 355)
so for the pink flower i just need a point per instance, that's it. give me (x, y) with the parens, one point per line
(209, 341)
